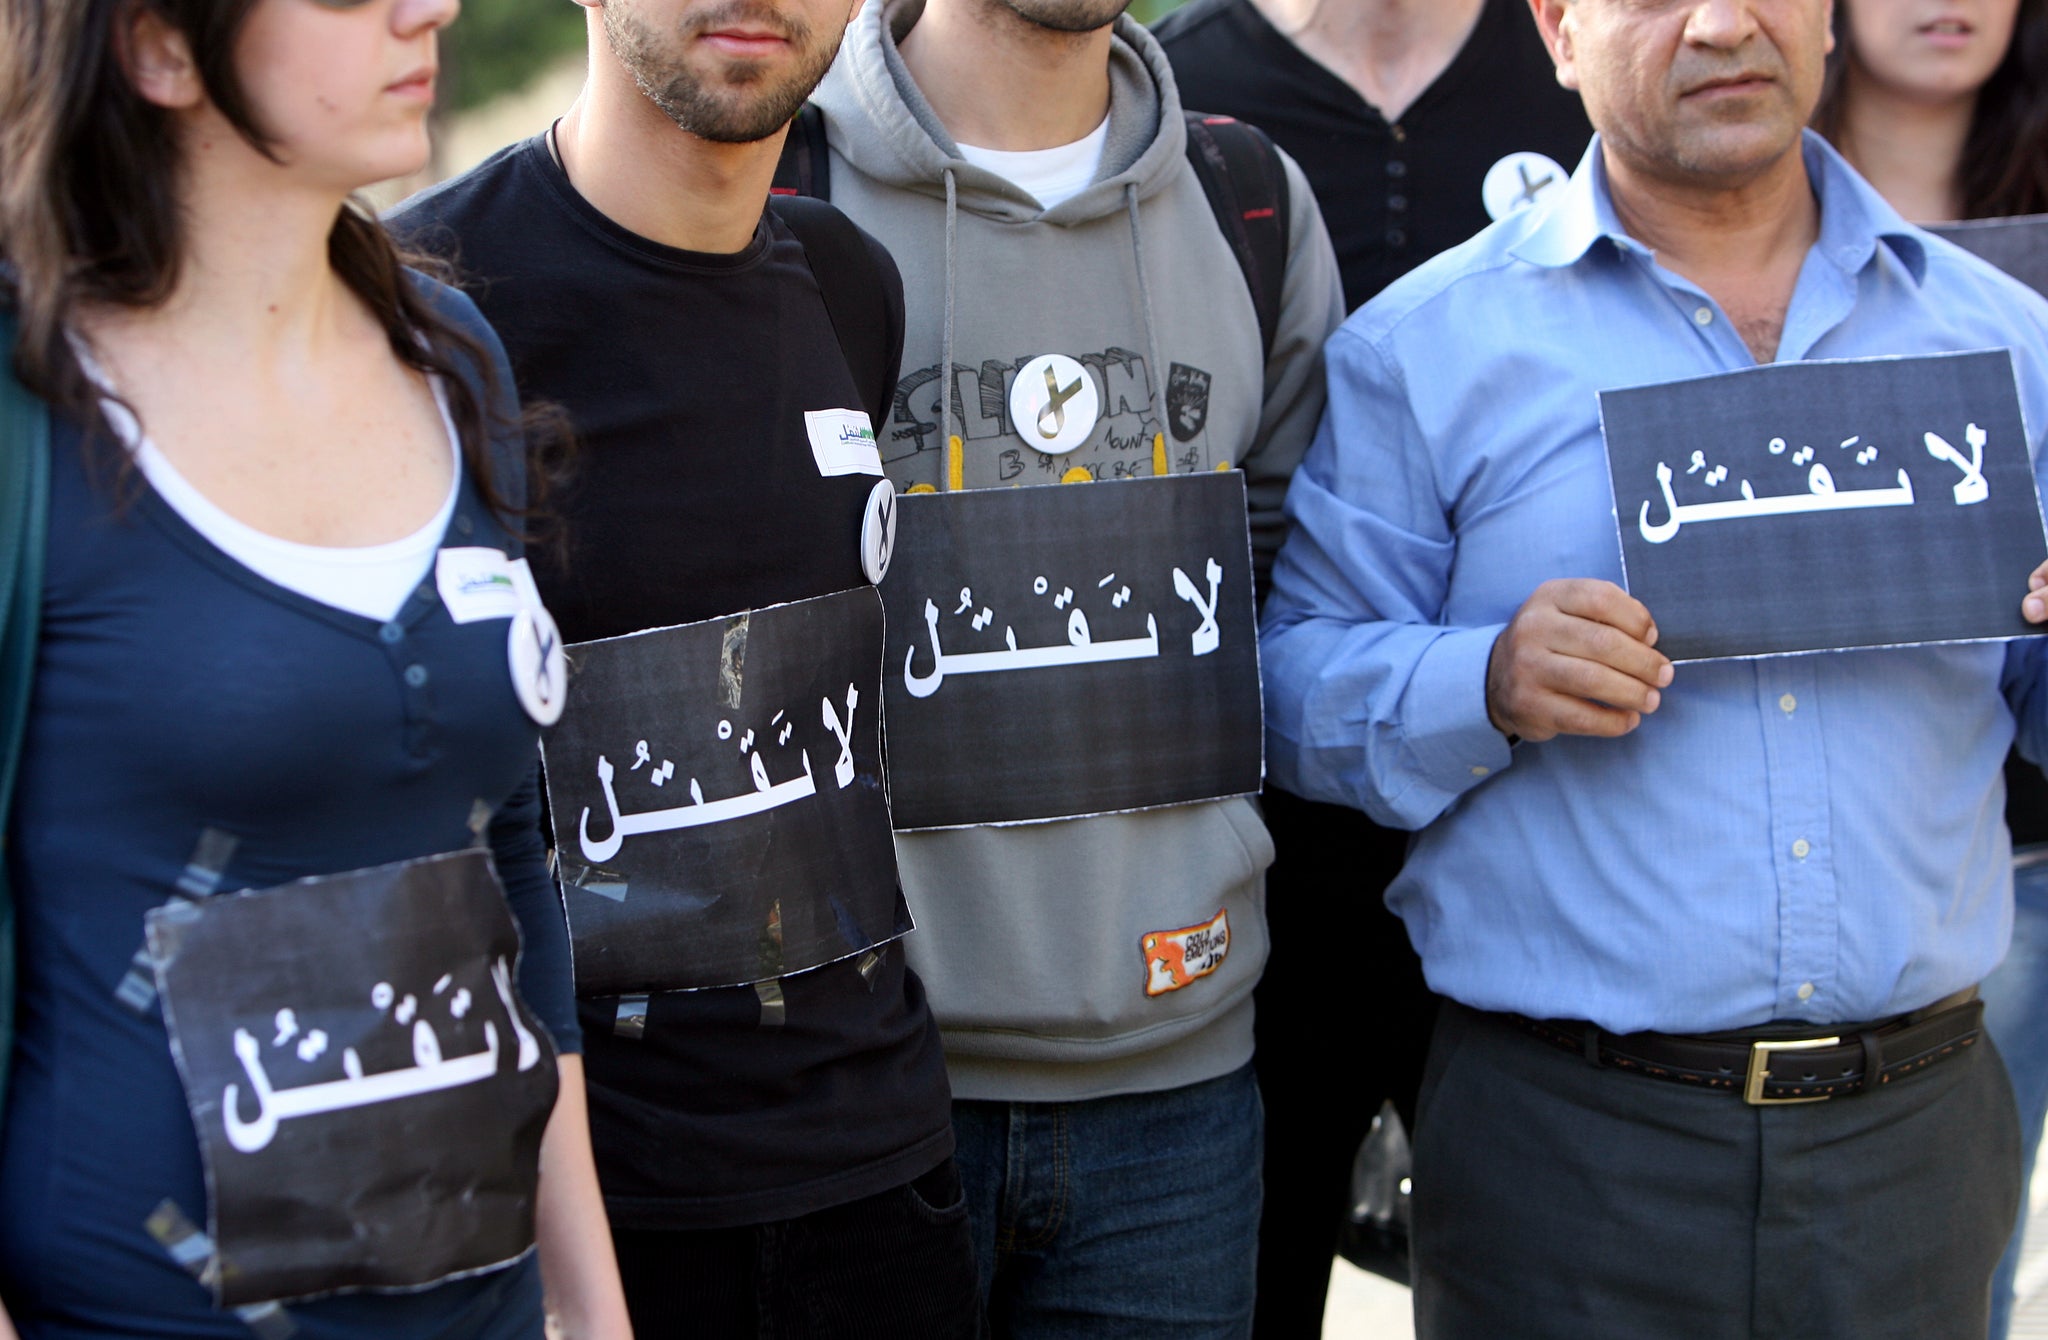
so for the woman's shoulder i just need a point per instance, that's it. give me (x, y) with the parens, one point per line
(452, 305)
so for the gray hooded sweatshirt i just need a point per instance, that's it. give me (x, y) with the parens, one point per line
(1037, 942)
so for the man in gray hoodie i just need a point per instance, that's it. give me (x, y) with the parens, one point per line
(1026, 163)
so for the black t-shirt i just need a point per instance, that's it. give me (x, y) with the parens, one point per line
(696, 494)
(1392, 195)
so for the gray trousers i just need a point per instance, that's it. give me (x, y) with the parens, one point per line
(1556, 1199)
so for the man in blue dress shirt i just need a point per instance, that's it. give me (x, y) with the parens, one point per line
(1613, 859)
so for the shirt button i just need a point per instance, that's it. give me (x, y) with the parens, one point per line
(392, 632)
(1788, 704)
(1801, 848)
(464, 525)
(1397, 203)
(1703, 315)
(416, 675)
(1480, 771)
(1400, 135)
(1806, 990)
(1396, 238)
(1396, 168)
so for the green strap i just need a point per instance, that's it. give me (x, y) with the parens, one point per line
(24, 526)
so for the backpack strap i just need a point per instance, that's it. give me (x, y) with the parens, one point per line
(806, 164)
(24, 527)
(1241, 173)
(856, 294)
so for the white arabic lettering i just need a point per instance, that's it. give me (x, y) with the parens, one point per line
(694, 814)
(843, 768)
(1819, 497)
(1972, 488)
(1081, 649)
(429, 1073)
(1207, 636)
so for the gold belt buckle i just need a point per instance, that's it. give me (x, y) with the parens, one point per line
(1760, 1069)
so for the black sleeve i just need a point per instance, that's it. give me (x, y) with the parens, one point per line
(546, 979)
(892, 289)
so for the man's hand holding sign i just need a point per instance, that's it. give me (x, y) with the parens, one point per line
(1579, 658)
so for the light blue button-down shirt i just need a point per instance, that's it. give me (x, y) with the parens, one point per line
(1817, 838)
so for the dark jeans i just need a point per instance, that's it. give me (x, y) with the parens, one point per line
(2016, 1015)
(1130, 1216)
(1555, 1200)
(891, 1266)
(1321, 1077)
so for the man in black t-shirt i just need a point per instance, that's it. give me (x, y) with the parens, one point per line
(1417, 124)
(775, 1157)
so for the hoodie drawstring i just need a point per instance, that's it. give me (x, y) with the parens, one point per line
(955, 463)
(1159, 463)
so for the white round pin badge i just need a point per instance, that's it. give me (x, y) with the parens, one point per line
(878, 531)
(540, 669)
(1054, 404)
(1519, 181)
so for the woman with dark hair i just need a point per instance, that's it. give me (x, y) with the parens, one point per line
(1943, 104)
(286, 643)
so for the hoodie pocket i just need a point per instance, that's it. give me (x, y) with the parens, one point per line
(1115, 934)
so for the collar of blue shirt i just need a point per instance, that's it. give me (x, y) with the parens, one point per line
(1854, 217)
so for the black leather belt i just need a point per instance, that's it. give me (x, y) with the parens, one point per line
(1767, 1068)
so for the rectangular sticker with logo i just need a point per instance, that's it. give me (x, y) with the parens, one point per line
(1175, 958)
(476, 583)
(843, 441)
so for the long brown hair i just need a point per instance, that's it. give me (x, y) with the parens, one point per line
(2004, 169)
(89, 211)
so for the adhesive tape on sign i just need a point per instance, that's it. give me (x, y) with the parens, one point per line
(1519, 181)
(878, 531)
(540, 669)
(1054, 404)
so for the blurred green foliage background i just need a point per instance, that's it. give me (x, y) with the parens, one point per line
(497, 46)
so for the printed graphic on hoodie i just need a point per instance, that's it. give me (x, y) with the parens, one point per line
(1137, 433)
(1175, 958)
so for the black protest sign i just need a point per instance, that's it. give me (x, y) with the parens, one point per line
(2018, 246)
(1068, 650)
(718, 803)
(1816, 506)
(368, 1087)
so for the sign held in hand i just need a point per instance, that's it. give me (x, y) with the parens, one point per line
(1826, 505)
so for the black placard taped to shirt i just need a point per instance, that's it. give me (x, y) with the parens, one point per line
(368, 1088)
(1073, 649)
(718, 802)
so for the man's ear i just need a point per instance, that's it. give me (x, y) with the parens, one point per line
(156, 58)
(1833, 9)
(1554, 22)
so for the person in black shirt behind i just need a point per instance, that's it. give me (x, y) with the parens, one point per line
(1417, 122)
(776, 1159)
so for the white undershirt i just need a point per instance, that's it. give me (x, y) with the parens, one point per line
(372, 580)
(1049, 176)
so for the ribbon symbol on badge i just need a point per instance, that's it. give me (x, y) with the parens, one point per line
(533, 646)
(878, 531)
(1054, 404)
